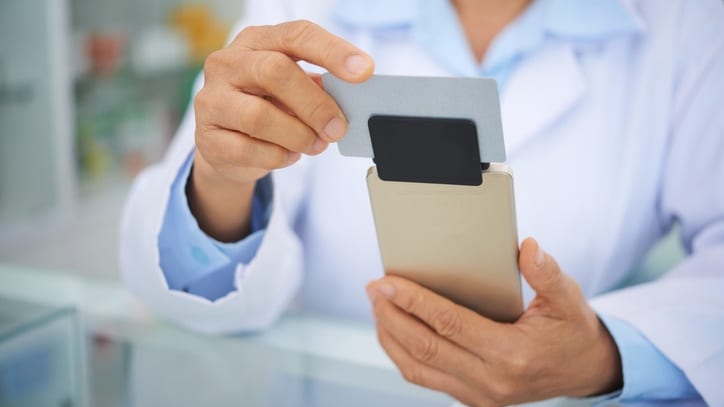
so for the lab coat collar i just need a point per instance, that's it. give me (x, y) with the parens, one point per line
(536, 93)
(539, 92)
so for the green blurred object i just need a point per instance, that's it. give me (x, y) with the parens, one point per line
(662, 258)
(137, 64)
(125, 121)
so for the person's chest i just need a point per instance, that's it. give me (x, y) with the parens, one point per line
(585, 136)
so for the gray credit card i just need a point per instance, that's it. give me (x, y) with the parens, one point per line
(475, 99)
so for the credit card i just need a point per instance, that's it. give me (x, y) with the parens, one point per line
(474, 99)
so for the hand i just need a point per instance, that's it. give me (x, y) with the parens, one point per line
(558, 347)
(258, 111)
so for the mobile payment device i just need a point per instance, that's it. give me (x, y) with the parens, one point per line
(442, 203)
(457, 240)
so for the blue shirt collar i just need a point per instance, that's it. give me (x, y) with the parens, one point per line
(375, 13)
(576, 19)
(591, 19)
(435, 26)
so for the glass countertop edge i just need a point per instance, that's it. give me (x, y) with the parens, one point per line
(28, 324)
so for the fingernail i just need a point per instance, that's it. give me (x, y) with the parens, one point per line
(319, 145)
(387, 290)
(540, 257)
(335, 129)
(357, 64)
(294, 157)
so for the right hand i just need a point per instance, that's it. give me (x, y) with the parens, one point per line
(259, 111)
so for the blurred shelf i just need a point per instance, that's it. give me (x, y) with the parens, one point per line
(125, 122)
(97, 100)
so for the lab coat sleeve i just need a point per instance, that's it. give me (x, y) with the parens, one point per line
(264, 286)
(682, 313)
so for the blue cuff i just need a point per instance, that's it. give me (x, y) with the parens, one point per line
(194, 262)
(647, 373)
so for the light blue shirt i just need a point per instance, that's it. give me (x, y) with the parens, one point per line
(196, 263)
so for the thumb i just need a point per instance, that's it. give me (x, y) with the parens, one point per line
(539, 269)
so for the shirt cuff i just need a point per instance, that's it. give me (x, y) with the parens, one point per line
(647, 373)
(196, 263)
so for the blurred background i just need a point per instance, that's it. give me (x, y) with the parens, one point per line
(91, 92)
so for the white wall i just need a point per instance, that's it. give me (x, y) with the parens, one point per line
(36, 163)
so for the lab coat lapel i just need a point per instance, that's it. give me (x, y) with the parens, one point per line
(545, 86)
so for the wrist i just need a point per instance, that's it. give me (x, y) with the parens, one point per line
(608, 363)
(221, 205)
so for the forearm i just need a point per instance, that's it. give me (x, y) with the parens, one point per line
(221, 207)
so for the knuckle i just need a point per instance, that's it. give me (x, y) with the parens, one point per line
(253, 117)
(302, 141)
(329, 49)
(319, 112)
(214, 64)
(272, 69)
(268, 156)
(447, 322)
(202, 101)
(425, 348)
(413, 374)
(414, 302)
(240, 151)
(203, 142)
(481, 401)
(519, 364)
(280, 158)
(217, 153)
(382, 339)
(296, 32)
(247, 31)
(249, 35)
(502, 391)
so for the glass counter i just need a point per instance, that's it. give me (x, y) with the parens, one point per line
(133, 358)
(40, 356)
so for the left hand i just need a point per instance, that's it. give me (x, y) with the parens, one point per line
(558, 347)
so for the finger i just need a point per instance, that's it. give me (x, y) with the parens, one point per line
(316, 78)
(228, 149)
(309, 42)
(279, 105)
(426, 376)
(540, 270)
(459, 324)
(260, 119)
(423, 344)
(278, 75)
(320, 144)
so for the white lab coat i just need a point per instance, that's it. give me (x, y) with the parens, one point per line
(610, 145)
